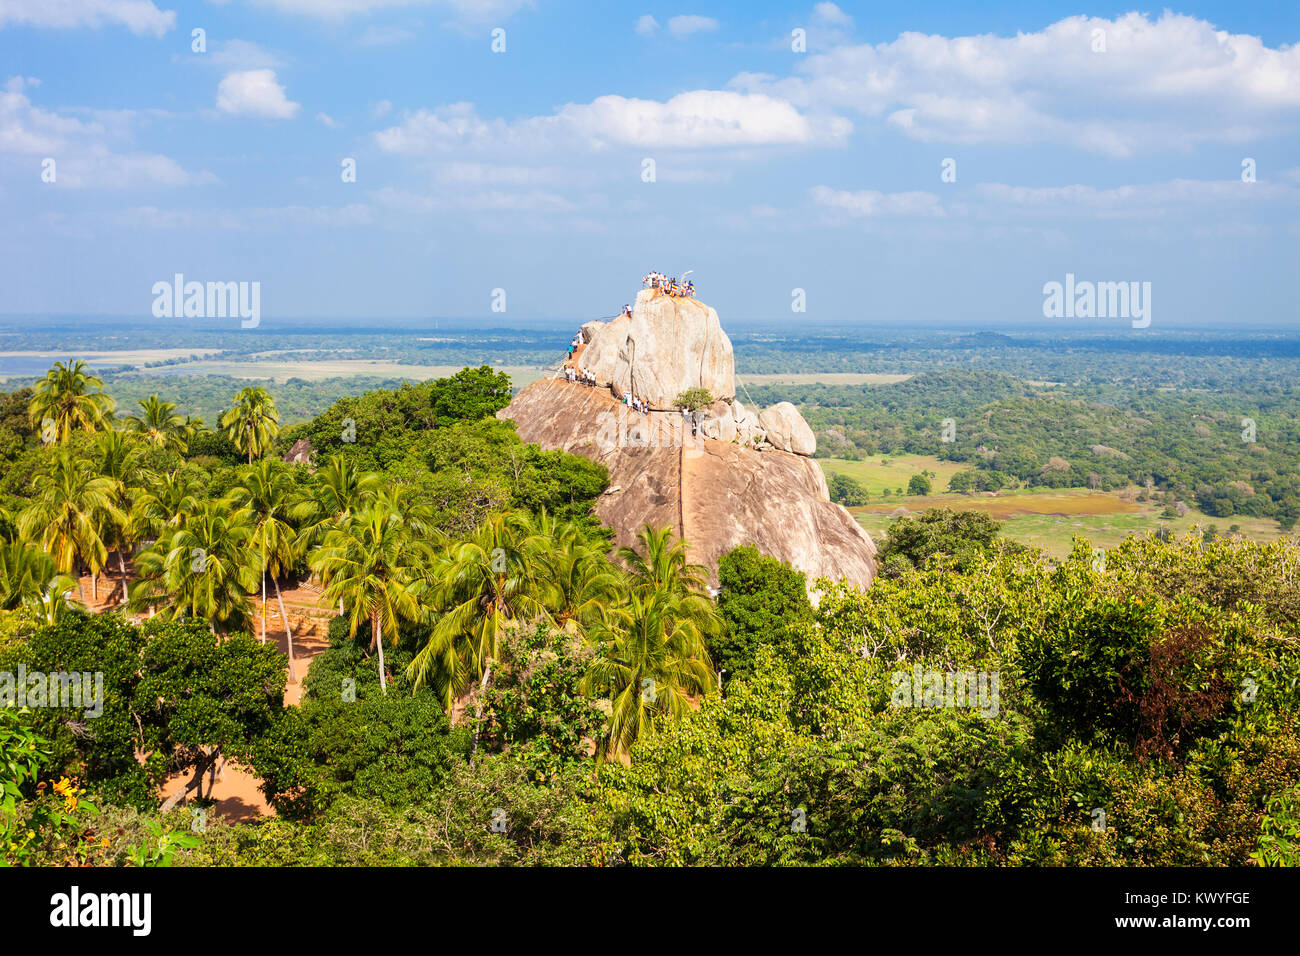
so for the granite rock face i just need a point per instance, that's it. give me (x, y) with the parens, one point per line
(745, 477)
(669, 344)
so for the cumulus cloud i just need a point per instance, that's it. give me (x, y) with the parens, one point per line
(830, 15)
(141, 17)
(327, 121)
(688, 23)
(696, 120)
(254, 93)
(1171, 82)
(82, 149)
(646, 26)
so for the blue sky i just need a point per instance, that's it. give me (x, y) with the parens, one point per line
(774, 170)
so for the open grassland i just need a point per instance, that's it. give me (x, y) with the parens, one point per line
(520, 375)
(891, 471)
(22, 364)
(1051, 520)
(821, 378)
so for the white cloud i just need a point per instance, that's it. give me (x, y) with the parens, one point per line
(870, 203)
(141, 17)
(697, 120)
(646, 26)
(1144, 199)
(831, 15)
(255, 219)
(688, 23)
(489, 200)
(327, 121)
(81, 149)
(239, 55)
(254, 93)
(1166, 83)
(381, 109)
(998, 202)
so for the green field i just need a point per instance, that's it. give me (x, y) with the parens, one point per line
(1047, 520)
(892, 472)
(282, 371)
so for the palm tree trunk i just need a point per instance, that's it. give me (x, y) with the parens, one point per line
(94, 586)
(264, 600)
(288, 633)
(121, 563)
(478, 707)
(379, 642)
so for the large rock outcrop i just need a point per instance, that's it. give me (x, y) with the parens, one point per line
(669, 344)
(715, 494)
(744, 479)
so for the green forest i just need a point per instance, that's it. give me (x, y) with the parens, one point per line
(1229, 454)
(500, 686)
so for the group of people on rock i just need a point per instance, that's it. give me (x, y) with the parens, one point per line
(573, 346)
(657, 280)
(585, 376)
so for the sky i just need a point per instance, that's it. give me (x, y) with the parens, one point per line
(517, 160)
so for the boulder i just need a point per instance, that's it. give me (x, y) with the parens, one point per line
(669, 344)
(589, 330)
(786, 429)
(714, 494)
(716, 422)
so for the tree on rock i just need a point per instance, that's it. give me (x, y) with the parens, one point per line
(694, 399)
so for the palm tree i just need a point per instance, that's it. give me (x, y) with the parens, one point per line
(117, 459)
(652, 659)
(165, 502)
(340, 490)
(580, 585)
(480, 587)
(662, 564)
(266, 490)
(68, 512)
(371, 566)
(251, 423)
(201, 568)
(160, 425)
(30, 581)
(71, 399)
